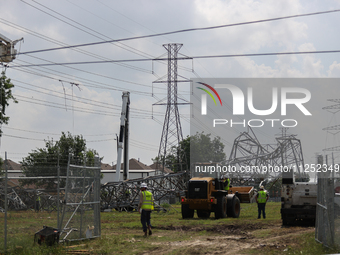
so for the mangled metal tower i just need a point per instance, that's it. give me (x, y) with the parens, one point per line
(249, 153)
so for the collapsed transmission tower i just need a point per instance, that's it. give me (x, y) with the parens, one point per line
(249, 153)
(172, 130)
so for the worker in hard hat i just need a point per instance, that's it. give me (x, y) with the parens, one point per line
(145, 207)
(261, 200)
(226, 182)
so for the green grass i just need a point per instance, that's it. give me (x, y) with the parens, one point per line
(122, 233)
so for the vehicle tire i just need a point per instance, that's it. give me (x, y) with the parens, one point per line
(221, 207)
(285, 221)
(187, 212)
(233, 206)
(203, 214)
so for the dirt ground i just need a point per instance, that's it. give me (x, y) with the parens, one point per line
(232, 239)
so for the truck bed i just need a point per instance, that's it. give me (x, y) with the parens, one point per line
(245, 193)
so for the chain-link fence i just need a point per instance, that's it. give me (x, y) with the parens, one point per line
(327, 228)
(69, 186)
(81, 210)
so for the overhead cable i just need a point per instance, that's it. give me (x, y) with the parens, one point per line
(185, 58)
(181, 31)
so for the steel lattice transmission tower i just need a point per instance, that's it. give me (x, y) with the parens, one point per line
(335, 129)
(172, 131)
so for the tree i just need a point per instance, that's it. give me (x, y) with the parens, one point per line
(2, 165)
(6, 95)
(203, 149)
(196, 148)
(302, 177)
(44, 162)
(274, 187)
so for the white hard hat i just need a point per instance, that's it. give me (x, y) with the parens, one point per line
(261, 187)
(143, 185)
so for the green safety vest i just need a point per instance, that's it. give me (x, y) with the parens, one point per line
(228, 183)
(262, 197)
(147, 200)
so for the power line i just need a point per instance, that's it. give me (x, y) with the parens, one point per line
(26, 138)
(44, 133)
(68, 97)
(88, 81)
(144, 144)
(182, 31)
(90, 29)
(134, 50)
(125, 16)
(134, 143)
(135, 113)
(49, 39)
(186, 58)
(87, 72)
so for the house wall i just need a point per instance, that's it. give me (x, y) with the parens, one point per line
(14, 173)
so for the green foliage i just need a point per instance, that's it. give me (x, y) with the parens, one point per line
(45, 161)
(6, 95)
(204, 149)
(165, 205)
(303, 177)
(196, 148)
(2, 172)
(274, 186)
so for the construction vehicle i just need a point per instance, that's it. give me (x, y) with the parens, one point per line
(206, 194)
(298, 201)
(7, 51)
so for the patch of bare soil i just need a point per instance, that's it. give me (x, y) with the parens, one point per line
(220, 229)
(231, 239)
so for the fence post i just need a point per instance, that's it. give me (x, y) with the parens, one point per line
(6, 202)
(58, 192)
(97, 229)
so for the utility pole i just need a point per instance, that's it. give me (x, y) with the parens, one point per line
(123, 139)
(172, 131)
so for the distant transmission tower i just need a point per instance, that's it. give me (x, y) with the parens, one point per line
(172, 130)
(333, 130)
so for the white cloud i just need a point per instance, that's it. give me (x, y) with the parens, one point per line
(334, 70)
(124, 19)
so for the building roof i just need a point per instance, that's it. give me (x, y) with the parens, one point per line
(12, 183)
(130, 171)
(15, 166)
(106, 166)
(166, 170)
(135, 164)
(12, 165)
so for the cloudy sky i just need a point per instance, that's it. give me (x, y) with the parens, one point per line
(50, 103)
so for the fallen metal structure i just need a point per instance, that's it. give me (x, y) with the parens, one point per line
(248, 153)
(124, 195)
(19, 198)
